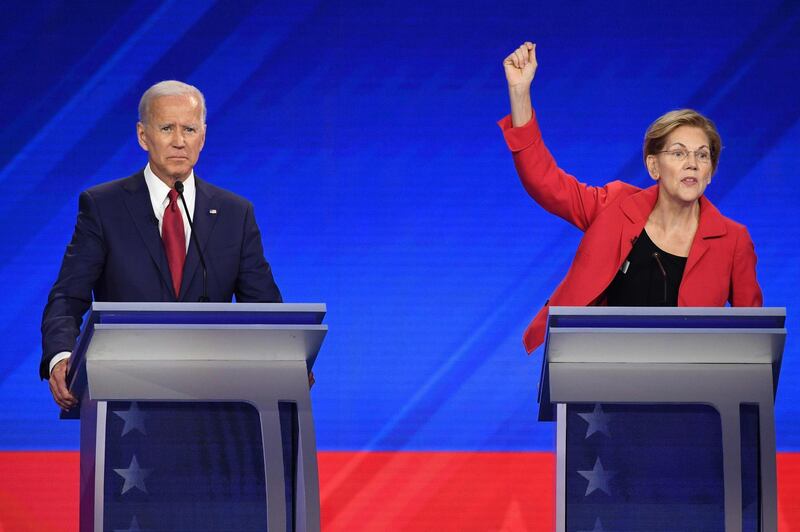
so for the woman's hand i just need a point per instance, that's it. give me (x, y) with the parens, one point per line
(520, 67)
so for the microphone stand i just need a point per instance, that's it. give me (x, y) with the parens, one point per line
(179, 188)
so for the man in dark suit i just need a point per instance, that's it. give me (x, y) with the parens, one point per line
(132, 237)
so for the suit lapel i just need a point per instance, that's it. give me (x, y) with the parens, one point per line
(141, 210)
(711, 225)
(204, 223)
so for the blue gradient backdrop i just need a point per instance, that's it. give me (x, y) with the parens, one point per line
(364, 132)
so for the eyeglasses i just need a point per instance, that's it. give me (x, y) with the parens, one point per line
(679, 155)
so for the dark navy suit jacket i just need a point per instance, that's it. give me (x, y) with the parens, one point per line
(116, 254)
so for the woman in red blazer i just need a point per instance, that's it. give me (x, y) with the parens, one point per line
(664, 245)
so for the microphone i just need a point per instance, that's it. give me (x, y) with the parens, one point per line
(179, 188)
(657, 256)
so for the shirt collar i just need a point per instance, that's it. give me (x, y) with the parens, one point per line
(159, 190)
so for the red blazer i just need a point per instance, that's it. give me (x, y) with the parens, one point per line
(721, 266)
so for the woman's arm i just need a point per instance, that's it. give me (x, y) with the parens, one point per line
(555, 190)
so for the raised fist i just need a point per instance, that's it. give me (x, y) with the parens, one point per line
(520, 66)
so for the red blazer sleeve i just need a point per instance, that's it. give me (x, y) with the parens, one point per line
(555, 190)
(745, 291)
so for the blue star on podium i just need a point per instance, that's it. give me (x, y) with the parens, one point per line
(597, 420)
(598, 527)
(134, 476)
(133, 418)
(134, 526)
(598, 478)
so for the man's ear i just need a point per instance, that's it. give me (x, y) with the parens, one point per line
(140, 136)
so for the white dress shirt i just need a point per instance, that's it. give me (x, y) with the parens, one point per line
(159, 197)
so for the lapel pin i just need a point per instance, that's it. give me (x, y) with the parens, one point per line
(212, 211)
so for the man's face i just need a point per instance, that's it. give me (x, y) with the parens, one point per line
(173, 136)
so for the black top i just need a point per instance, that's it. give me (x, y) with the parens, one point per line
(650, 277)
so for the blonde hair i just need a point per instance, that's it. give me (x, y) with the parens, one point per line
(655, 138)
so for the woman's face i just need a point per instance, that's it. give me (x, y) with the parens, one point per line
(683, 168)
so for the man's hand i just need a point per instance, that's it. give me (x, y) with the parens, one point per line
(58, 386)
(311, 380)
(520, 66)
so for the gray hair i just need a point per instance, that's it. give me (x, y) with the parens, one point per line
(169, 88)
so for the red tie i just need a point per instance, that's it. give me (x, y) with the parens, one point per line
(174, 240)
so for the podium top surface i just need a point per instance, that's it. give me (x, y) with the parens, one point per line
(668, 317)
(207, 313)
(668, 335)
(591, 350)
(184, 332)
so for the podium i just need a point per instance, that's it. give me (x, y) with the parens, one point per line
(664, 416)
(197, 416)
